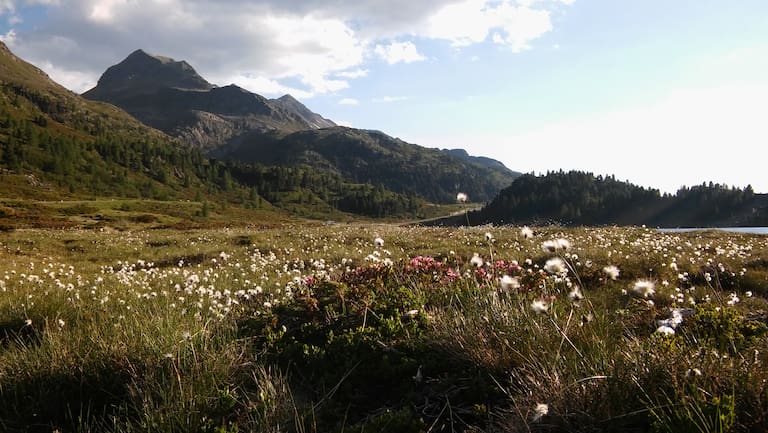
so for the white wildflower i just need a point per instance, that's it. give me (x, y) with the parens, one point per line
(539, 411)
(556, 266)
(611, 271)
(539, 306)
(575, 295)
(461, 197)
(410, 314)
(476, 260)
(555, 245)
(526, 232)
(734, 299)
(509, 283)
(645, 288)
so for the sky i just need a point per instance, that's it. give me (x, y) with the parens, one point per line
(662, 93)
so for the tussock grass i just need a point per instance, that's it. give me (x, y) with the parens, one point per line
(307, 328)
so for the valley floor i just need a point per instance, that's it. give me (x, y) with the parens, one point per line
(378, 327)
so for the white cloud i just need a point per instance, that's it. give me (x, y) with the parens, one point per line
(7, 6)
(315, 45)
(349, 101)
(472, 21)
(519, 25)
(9, 38)
(463, 24)
(357, 73)
(77, 81)
(265, 86)
(397, 52)
(388, 99)
(235, 42)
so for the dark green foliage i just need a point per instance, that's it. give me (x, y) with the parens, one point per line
(357, 348)
(321, 191)
(579, 198)
(371, 157)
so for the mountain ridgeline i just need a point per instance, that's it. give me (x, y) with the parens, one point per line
(579, 198)
(56, 144)
(372, 157)
(233, 124)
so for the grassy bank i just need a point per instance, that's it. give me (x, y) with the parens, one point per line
(323, 328)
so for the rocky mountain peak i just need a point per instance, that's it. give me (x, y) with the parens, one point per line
(292, 105)
(142, 72)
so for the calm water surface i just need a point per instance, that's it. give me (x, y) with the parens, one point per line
(752, 230)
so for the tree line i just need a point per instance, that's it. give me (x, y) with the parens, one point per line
(581, 198)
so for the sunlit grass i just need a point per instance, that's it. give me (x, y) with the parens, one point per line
(376, 327)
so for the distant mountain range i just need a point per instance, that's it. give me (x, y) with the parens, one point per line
(230, 146)
(211, 144)
(231, 123)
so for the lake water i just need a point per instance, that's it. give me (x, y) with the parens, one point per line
(751, 230)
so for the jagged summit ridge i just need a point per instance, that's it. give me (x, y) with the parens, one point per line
(171, 96)
(290, 104)
(142, 73)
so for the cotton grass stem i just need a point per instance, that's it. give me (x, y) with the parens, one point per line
(566, 336)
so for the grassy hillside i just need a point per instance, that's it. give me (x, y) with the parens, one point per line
(56, 145)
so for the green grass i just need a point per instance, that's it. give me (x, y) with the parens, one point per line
(306, 327)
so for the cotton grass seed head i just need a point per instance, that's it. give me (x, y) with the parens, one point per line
(476, 260)
(509, 283)
(556, 245)
(539, 411)
(539, 306)
(526, 232)
(556, 266)
(644, 288)
(665, 330)
(461, 197)
(611, 272)
(379, 242)
(575, 295)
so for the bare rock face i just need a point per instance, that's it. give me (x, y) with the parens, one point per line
(171, 96)
(290, 104)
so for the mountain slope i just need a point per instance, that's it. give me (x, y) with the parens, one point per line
(234, 124)
(54, 144)
(291, 105)
(373, 157)
(170, 95)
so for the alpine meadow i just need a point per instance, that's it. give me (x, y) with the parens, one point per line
(179, 253)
